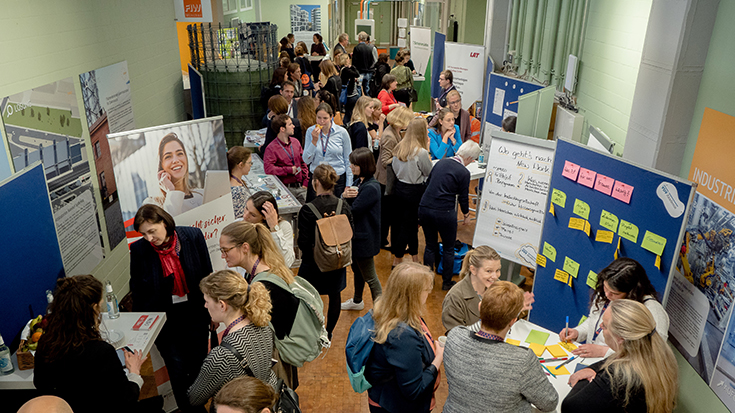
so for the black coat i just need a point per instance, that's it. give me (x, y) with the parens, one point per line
(366, 213)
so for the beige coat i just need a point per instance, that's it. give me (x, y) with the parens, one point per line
(461, 305)
(388, 142)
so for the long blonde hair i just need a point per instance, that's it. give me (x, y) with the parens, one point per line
(358, 114)
(475, 258)
(307, 114)
(643, 359)
(377, 106)
(417, 137)
(261, 244)
(401, 299)
(227, 285)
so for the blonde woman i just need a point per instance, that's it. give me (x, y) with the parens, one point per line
(412, 165)
(306, 115)
(642, 375)
(405, 361)
(378, 119)
(251, 247)
(331, 82)
(359, 128)
(245, 310)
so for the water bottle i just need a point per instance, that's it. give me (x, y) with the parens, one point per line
(112, 309)
(6, 365)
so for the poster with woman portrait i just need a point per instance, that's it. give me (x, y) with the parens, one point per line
(182, 168)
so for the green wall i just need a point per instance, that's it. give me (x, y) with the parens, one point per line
(278, 12)
(244, 16)
(474, 22)
(610, 59)
(41, 42)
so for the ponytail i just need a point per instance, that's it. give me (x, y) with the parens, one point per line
(475, 258)
(228, 286)
(261, 244)
(258, 305)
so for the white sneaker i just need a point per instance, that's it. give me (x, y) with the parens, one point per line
(352, 305)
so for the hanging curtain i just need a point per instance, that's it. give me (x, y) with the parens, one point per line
(544, 33)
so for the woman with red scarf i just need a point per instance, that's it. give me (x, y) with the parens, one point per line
(166, 267)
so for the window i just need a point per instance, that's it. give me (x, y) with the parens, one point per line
(229, 6)
(97, 150)
(246, 5)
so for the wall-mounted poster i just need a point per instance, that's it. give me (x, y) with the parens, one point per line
(179, 167)
(305, 21)
(44, 124)
(109, 109)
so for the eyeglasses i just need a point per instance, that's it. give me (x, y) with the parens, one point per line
(225, 251)
(456, 102)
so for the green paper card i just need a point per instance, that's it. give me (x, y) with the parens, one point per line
(582, 209)
(549, 252)
(581, 320)
(609, 220)
(592, 279)
(628, 231)
(654, 243)
(538, 337)
(558, 197)
(571, 266)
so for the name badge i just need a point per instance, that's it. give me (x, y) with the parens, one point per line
(176, 299)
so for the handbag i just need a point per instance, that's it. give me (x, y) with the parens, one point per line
(390, 180)
(288, 400)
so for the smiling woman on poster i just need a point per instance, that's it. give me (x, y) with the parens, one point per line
(173, 178)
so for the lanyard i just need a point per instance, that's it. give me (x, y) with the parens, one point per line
(252, 272)
(237, 179)
(292, 156)
(232, 324)
(489, 336)
(325, 144)
(599, 329)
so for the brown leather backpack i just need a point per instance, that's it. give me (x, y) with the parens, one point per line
(333, 239)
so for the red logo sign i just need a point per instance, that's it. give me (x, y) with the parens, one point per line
(192, 8)
(474, 54)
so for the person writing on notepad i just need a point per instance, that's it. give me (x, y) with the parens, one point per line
(623, 278)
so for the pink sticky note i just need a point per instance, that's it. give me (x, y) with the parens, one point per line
(570, 170)
(604, 184)
(622, 192)
(586, 177)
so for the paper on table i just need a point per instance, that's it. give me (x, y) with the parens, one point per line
(514, 342)
(556, 350)
(558, 197)
(538, 337)
(571, 266)
(558, 370)
(628, 231)
(562, 276)
(538, 349)
(654, 243)
(592, 279)
(586, 177)
(604, 184)
(622, 192)
(582, 209)
(541, 260)
(604, 236)
(609, 220)
(568, 346)
(570, 170)
(549, 251)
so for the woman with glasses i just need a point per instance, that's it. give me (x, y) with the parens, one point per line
(239, 162)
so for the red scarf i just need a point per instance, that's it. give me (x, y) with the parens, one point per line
(171, 264)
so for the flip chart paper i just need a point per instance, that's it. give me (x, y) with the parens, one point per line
(558, 370)
(562, 276)
(571, 266)
(556, 351)
(586, 177)
(538, 337)
(570, 170)
(541, 260)
(604, 184)
(538, 349)
(609, 220)
(582, 209)
(549, 252)
(576, 223)
(604, 236)
(622, 192)
(654, 243)
(558, 197)
(592, 279)
(628, 231)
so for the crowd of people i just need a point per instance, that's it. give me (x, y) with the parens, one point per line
(388, 172)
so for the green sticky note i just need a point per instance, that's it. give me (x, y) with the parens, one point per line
(549, 252)
(609, 221)
(582, 209)
(592, 279)
(654, 243)
(628, 231)
(538, 337)
(571, 266)
(558, 197)
(581, 320)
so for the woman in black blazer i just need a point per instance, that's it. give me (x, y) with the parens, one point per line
(365, 203)
(166, 267)
(329, 283)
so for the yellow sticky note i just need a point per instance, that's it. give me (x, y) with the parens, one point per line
(570, 282)
(568, 346)
(549, 252)
(658, 262)
(628, 231)
(604, 236)
(558, 197)
(654, 243)
(609, 220)
(582, 209)
(551, 209)
(592, 279)
(558, 370)
(562, 276)
(537, 348)
(576, 223)
(616, 254)
(571, 266)
(514, 342)
(587, 228)
(556, 351)
(541, 260)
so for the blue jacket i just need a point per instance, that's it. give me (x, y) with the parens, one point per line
(401, 372)
(366, 215)
(441, 150)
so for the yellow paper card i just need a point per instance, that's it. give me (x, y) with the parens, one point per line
(571, 266)
(541, 260)
(654, 243)
(556, 351)
(549, 252)
(551, 209)
(604, 236)
(609, 220)
(558, 197)
(537, 348)
(514, 342)
(568, 346)
(562, 276)
(558, 370)
(576, 223)
(587, 228)
(592, 279)
(658, 262)
(582, 209)
(628, 231)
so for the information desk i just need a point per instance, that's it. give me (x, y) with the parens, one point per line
(520, 331)
(136, 340)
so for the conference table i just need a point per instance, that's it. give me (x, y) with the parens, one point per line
(520, 332)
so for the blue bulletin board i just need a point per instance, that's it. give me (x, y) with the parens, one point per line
(437, 64)
(502, 95)
(30, 249)
(650, 202)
